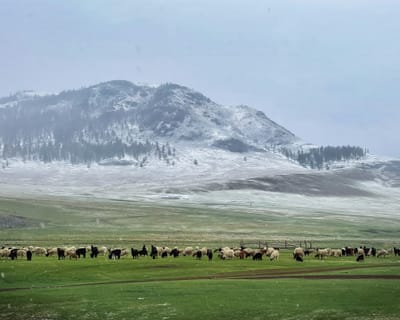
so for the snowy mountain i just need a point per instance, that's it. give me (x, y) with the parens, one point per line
(119, 119)
(169, 140)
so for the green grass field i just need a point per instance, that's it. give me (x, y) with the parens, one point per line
(185, 288)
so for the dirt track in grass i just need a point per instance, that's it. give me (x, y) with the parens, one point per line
(268, 274)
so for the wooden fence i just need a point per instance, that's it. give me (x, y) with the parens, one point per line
(282, 244)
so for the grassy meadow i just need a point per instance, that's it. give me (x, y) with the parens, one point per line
(187, 288)
(57, 221)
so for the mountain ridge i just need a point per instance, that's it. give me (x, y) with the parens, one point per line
(120, 113)
(170, 140)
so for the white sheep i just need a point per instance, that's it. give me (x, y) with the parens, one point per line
(382, 253)
(336, 253)
(274, 255)
(360, 252)
(51, 252)
(237, 253)
(39, 251)
(269, 251)
(249, 252)
(298, 252)
(4, 253)
(125, 252)
(70, 252)
(103, 251)
(188, 251)
(165, 251)
(321, 253)
(227, 253)
(21, 253)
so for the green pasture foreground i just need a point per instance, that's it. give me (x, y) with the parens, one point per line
(210, 299)
(185, 288)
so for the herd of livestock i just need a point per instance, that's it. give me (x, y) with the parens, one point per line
(163, 252)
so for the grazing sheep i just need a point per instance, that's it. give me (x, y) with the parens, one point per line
(248, 252)
(269, 251)
(359, 251)
(159, 250)
(165, 250)
(143, 252)
(94, 251)
(114, 254)
(81, 252)
(188, 251)
(382, 253)
(39, 251)
(242, 255)
(29, 255)
(298, 252)
(71, 253)
(238, 253)
(336, 253)
(198, 254)
(4, 253)
(153, 252)
(350, 251)
(125, 252)
(274, 255)
(307, 252)
(321, 253)
(60, 253)
(134, 253)
(209, 254)
(103, 251)
(51, 252)
(396, 251)
(226, 253)
(13, 254)
(258, 256)
(367, 251)
(174, 252)
(21, 253)
(360, 258)
(298, 257)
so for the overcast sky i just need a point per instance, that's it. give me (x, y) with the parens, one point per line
(328, 70)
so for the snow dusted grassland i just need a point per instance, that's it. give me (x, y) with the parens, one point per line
(217, 201)
(80, 221)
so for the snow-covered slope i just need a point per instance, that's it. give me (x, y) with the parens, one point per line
(119, 115)
(168, 141)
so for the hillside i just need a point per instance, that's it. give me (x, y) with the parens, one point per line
(122, 140)
(121, 120)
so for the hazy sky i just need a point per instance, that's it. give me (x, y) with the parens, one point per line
(328, 70)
